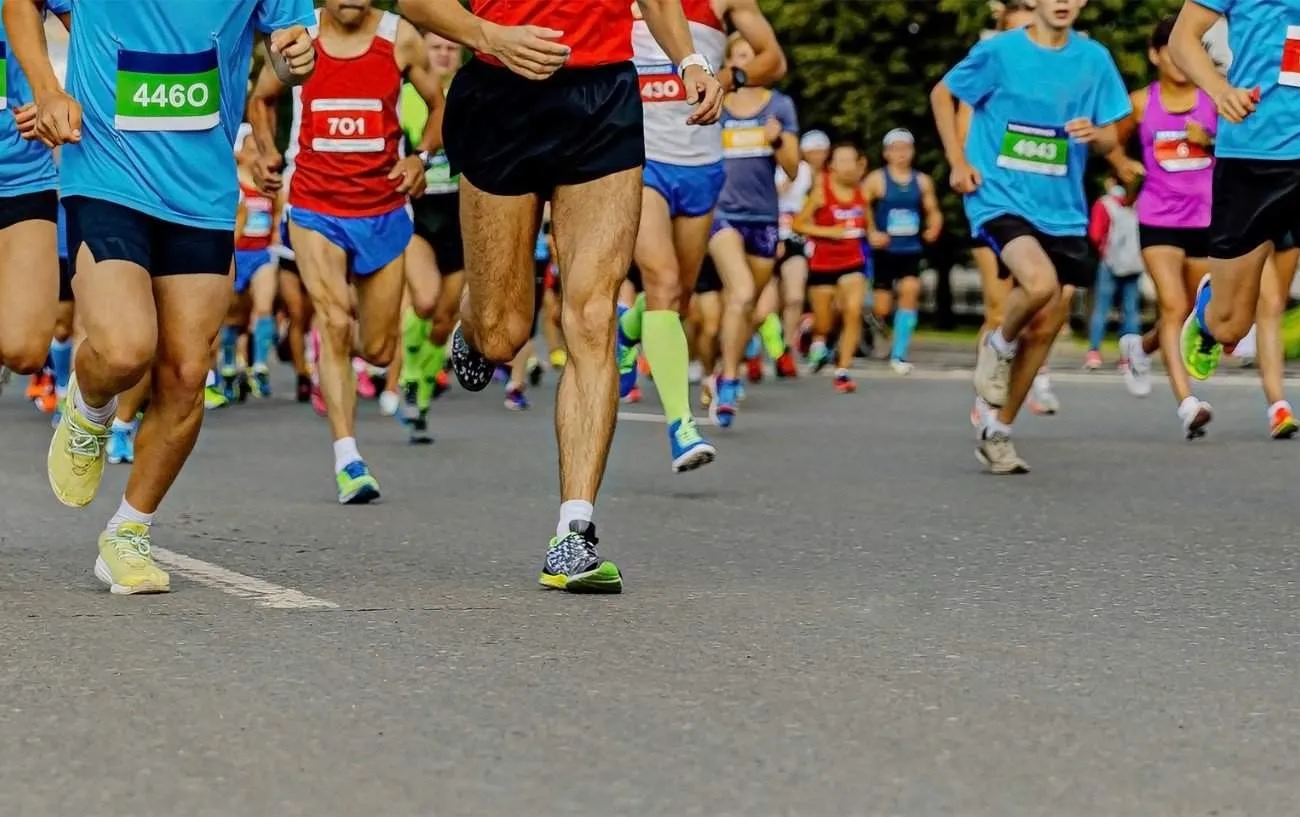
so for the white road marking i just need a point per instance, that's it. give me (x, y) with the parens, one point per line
(650, 417)
(260, 592)
(1244, 379)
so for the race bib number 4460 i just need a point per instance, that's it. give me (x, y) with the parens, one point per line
(1035, 149)
(347, 125)
(167, 92)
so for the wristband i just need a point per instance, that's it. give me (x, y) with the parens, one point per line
(696, 59)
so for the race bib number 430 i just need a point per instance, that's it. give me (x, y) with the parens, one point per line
(347, 125)
(660, 83)
(167, 92)
(1035, 149)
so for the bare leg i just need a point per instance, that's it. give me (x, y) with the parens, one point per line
(850, 290)
(29, 294)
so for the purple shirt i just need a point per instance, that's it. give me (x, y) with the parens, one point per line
(1176, 192)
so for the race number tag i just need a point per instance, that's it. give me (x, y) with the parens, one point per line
(167, 92)
(257, 217)
(660, 83)
(1175, 154)
(438, 179)
(902, 222)
(745, 139)
(1290, 74)
(347, 125)
(4, 77)
(1035, 149)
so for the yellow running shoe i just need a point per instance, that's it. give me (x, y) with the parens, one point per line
(558, 358)
(126, 564)
(76, 459)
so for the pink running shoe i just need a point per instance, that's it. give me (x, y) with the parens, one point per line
(366, 388)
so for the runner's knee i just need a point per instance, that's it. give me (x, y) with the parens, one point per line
(587, 322)
(181, 376)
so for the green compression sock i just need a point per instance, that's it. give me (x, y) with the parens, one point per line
(633, 319)
(664, 343)
(773, 339)
(415, 346)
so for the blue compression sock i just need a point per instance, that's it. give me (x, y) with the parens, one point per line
(229, 348)
(263, 339)
(904, 326)
(61, 364)
(1202, 301)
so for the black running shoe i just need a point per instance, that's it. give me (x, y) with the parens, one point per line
(415, 420)
(473, 371)
(304, 388)
(573, 564)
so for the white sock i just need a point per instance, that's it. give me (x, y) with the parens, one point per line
(1187, 407)
(995, 426)
(574, 510)
(841, 372)
(345, 453)
(1004, 347)
(125, 513)
(99, 415)
(212, 379)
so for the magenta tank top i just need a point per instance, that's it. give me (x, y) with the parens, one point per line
(1176, 192)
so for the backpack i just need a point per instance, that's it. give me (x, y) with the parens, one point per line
(1123, 252)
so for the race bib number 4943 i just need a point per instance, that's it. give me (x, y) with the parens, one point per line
(1035, 149)
(167, 92)
(347, 125)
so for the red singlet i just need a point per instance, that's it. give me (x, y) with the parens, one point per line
(839, 254)
(259, 219)
(599, 32)
(347, 136)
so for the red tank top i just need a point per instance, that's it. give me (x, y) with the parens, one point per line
(599, 32)
(347, 136)
(839, 254)
(259, 219)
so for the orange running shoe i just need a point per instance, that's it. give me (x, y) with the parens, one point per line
(39, 385)
(1283, 424)
(844, 384)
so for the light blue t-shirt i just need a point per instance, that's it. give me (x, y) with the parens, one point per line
(1257, 38)
(542, 249)
(63, 233)
(1023, 94)
(162, 85)
(25, 167)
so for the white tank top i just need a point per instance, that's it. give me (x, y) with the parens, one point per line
(668, 138)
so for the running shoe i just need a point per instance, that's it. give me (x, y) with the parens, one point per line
(559, 357)
(261, 382)
(726, 403)
(75, 461)
(121, 445)
(390, 401)
(230, 385)
(356, 485)
(39, 386)
(1042, 399)
(535, 372)
(900, 367)
(473, 371)
(627, 354)
(304, 388)
(998, 454)
(47, 403)
(1201, 352)
(844, 384)
(318, 400)
(992, 372)
(1282, 423)
(125, 562)
(1195, 415)
(573, 564)
(754, 369)
(708, 394)
(878, 336)
(441, 384)
(1137, 375)
(633, 396)
(689, 449)
(413, 417)
(4, 378)
(214, 398)
(1092, 361)
(366, 388)
(516, 400)
(818, 356)
(785, 366)
(694, 372)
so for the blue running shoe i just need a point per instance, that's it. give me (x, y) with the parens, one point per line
(516, 400)
(626, 353)
(689, 449)
(726, 404)
(121, 445)
(357, 486)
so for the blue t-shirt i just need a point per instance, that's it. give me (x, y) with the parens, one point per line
(1257, 36)
(63, 233)
(749, 193)
(162, 85)
(25, 167)
(1023, 94)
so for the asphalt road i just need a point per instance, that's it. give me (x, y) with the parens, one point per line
(842, 616)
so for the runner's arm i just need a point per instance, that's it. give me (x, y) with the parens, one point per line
(447, 18)
(261, 108)
(1190, 55)
(25, 28)
(769, 64)
(930, 207)
(804, 224)
(1128, 169)
(667, 23)
(1111, 105)
(415, 59)
(969, 82)
(869, 212)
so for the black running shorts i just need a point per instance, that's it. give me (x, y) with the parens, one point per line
(1255, 200)
(437, 221)
(709, 280)
(113, 232)
(1194, 242)
(42, 206)
(889, 268)
(511, 136)
(1068, 253)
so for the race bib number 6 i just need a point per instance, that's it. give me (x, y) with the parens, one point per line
(661, 84)
(1035, 149)
(167, 92)
(347, 125)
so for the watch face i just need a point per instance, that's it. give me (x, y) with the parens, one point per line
(741, 78)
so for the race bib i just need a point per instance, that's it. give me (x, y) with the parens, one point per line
(347, 125)
(902, 222)
(1035, 149)
(167, 92)
(1290, 73)
(4, 77)
(257, 218)
(1175, 154)
(660, 83)
(438, 179)
(745, 139)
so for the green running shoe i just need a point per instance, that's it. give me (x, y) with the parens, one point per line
(356, 485)
(1201, 354)
(573, 564)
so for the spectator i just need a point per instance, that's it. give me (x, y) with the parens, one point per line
(1113, 231)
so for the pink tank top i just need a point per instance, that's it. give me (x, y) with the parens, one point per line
(1176, 192)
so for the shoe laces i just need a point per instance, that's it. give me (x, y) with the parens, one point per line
(132, 547)
(688, 433)
(84, 443)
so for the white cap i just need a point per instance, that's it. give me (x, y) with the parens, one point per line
(814, 140)
(898, 135)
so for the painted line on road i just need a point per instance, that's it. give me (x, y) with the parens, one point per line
(1245, 379)
(650, 417)
(259, 591)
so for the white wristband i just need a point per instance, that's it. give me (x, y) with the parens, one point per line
(696, 59)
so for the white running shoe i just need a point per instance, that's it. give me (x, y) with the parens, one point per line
(1137, 375)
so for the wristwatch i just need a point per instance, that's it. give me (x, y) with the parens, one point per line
(696, 59)
(739, 78)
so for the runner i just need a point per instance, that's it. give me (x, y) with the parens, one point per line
(902, 201)
(1023, 183)
(684, 176)
(792, 268)
(1175, 122)
(29, 212)
(152, 259)
(348, 201)
(564, 69)
(835, 219)
(760, 131)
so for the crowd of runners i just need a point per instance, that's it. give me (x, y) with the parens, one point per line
(657, 214)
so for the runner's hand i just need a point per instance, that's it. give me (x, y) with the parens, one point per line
(772, 130)
(1082, 130)
(704, 92)
(293, 54)
(25, 119)
(1235, 104)
(847, 233)
(877, 239)
(266, 172)
(529, 51)
(1129, 171)
(964, 178)
(932, 234)
(58, 119)
(410, 175)
(1197, 134)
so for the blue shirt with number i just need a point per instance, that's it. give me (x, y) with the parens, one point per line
(1023, 95)
(162, 85)
(25, 167)
(1265, 46)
